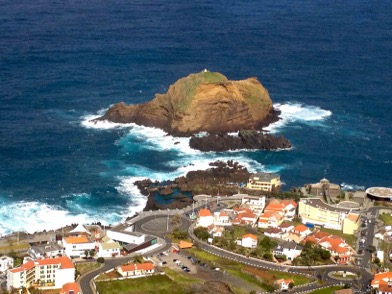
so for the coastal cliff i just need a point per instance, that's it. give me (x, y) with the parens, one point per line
(202, 102)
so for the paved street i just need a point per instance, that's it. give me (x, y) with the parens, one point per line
(158, 223)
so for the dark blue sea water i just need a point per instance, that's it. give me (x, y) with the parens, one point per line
(326, 64)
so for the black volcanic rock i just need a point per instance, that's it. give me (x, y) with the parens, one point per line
(245, 140)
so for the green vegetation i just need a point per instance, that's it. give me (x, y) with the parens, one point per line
(190, 84)
(86, 267)
(312, 255)
(14, 247)
(328, 290)
(100, 260)
(231, 235)
(159, 284)
(258, 277)
(201, 233)
(386, 218)
(178, 234)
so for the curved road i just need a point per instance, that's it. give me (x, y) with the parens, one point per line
(320, 272)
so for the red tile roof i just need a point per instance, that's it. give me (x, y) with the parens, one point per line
(77, 240)
(64, 262)
(141, 266)
(300, 228)
(249, 236)
(24, 267)
(204, 212)
(68, 287)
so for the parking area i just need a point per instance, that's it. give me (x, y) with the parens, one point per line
(179, 260)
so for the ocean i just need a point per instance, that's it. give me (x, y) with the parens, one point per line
(327, 66)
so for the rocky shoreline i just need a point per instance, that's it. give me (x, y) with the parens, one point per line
(251, 140)
(223, 178)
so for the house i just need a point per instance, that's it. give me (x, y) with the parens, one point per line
(205, 218)
(287, 208)
(76, 246)
(39, 250)
(255, 203)
(274, 233)
(48, 272)
(270, 219)
(350, 223)
(241, 209)
(301, 230)
(245, 219)
(109, 249)
(216, 231)
(286, 227)
(222, 218)
(283, 284)
(70, 288)
(248, 241)
(264, 182)
(334, 244)
(136, 270)
(124, 233)
(382, 282)
(315, 211)
(6, 262)
(289, 249)
(290, 209)
(384, 233)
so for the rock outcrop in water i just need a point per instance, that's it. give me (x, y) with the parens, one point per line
(201, 102)
(221, 178)
(245, 140)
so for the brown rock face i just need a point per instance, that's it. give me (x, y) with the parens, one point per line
(206, 101)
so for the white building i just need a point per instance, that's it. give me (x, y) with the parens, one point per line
(43, 273)
(136, 270)
(45, 250)
(6, 262)
(255, 203)
(248, 241)
(109, 249)
(222, 219)
(205, 218)
(289, 249)
(77, 246)
(284, 284)
(124, 233)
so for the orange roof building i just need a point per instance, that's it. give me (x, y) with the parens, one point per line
(204, 212)
(136, 269)
(185, 244)
(59, 270)
(70, 288)
(76, 246)
(382, 282)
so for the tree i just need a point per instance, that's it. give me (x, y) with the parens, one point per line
(179, 234)
(201, 233)
(100, 260)
(291, 285)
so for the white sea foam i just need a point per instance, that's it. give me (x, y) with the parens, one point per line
(35, 216)
(297, 112)
(86, 121)
(127, 187)
(350, 187)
